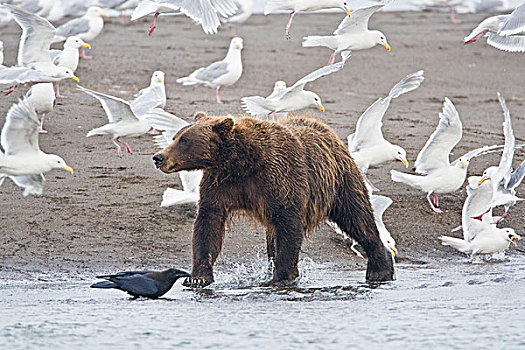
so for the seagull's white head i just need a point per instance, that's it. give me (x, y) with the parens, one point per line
(279, 86)
(57, 163)
(400, 154)
(236, 44)
(380, 39)
(388, 241)
(64, 72)
(510, 235)
(75, 42)
(488, 174)
(463, 163)
(344, 5)
(314, 100)
(157, 77)
(95, 11)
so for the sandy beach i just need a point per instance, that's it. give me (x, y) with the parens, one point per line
(107, 216)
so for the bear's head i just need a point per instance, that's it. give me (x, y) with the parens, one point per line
(196, 146)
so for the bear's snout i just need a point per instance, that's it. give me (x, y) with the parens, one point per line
(159, 160)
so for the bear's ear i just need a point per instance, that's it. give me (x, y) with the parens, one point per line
(199, 115)
(224, 126)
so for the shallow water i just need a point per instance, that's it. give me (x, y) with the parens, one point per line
(459, 305)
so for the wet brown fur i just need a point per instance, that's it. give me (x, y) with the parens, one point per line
(290, 175)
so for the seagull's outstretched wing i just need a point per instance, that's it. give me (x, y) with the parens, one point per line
(504, 172)
(479, 198)
(513, 43)
(147, 99)
(359, 21)
(116, 108)
(35, 41)
(515, 23)
(368, 128)
(516, 177)
(20, 131)
(168, 123)
(22, 75)
(435, 153)
(32, 184)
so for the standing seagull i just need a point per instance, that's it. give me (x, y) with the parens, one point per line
(149, 284)
(439, 176)
(480, 237)
(152, 96)
(303, 5)
(87, 28)
(292, 98)
(122, 121)
(367, 145)
(352, 34)
(205, 12)
(68, 57)
(23, 161)
(502, 31)
(34, 64)
(221, 73)
(504, 181)
(41, 97)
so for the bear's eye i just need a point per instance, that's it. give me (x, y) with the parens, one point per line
(182, 140)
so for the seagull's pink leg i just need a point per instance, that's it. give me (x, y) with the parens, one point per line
(436, 200)
(153, 131)
(154, 25)
(11, 89)
(480, 217)
(233, 32)
(474, 39)
(118, 147)
(42, 130)
(501, 218)
(83, 54)
(374, 189)
(332, 58)
(287, 31)
(219, 94)
(453, 18)
(437, 210)
(57, 90)
(128, 149)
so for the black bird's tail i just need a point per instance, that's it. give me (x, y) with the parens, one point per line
(104, 284)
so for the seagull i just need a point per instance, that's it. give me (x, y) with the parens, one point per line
(480, 237)
(149, 284)
(244, 11)
(34, 64)
(23, 161)
(352, 34)
(220, 73)
(68, 57)
(152, 96)
(292, 98)
(367, 145)
(504, 181)
(205, 12)
(38, 7)
(122, 121)
(439, 176)
(87, 28)
(190, 180)
(41, 97)
(503, 31)
(303, 5)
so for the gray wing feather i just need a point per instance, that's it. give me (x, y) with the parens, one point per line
(515, 23)
(147, 99)
(55, 56)
(505, 165)
(516, 177)
(116, 108)
(20, 131)
(514, 43)
(22, 75)
(31, 6)
(162, 120)
(359, 21)
(35, 41)
(32, 184)
(74, 27)
(479, 152)
(212, 72)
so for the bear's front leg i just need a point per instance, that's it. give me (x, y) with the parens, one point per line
(288, 238)
(208, 236)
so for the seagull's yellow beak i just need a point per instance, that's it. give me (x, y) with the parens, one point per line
(405, 162)
(87, 46)
(388, 48)
(69, 169)
(481, 181)
(75, 79)
(348, 12)
(515, 237)
(105, 15)
(394, 251)
(321, 108)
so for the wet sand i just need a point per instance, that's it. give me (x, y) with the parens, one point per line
(107, 215)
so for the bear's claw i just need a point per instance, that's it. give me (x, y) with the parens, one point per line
(197, 282)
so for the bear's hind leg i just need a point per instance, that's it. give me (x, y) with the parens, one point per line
(208, 237)
(287, 239)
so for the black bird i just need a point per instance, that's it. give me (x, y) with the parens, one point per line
(149, 284)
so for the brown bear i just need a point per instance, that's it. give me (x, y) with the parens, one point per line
(289, 174)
